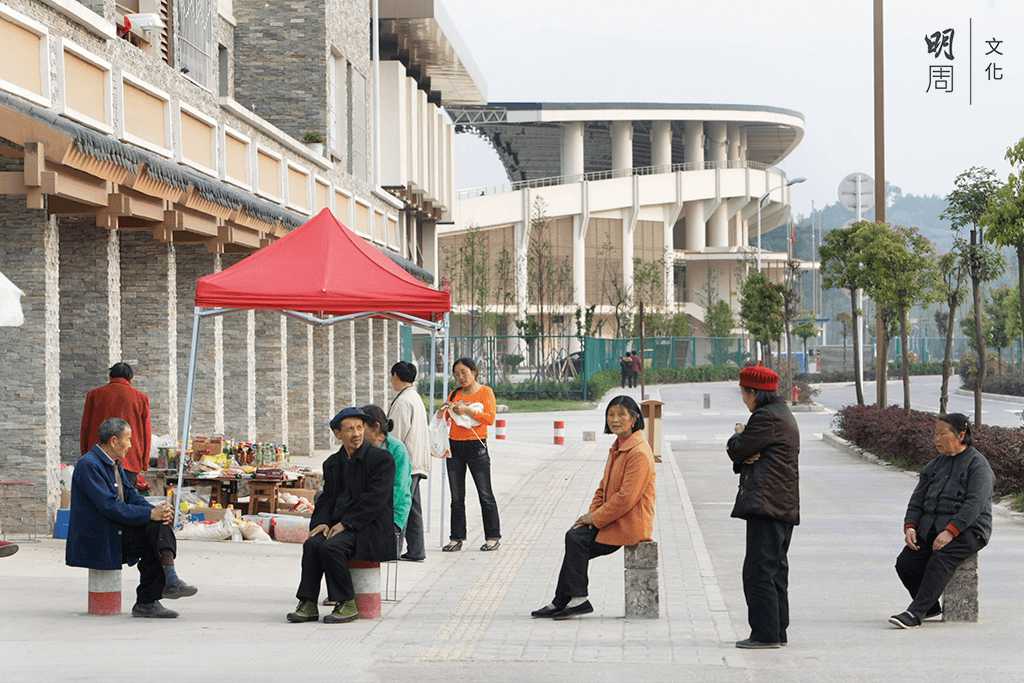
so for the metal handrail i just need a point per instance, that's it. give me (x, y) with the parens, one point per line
(505, 188)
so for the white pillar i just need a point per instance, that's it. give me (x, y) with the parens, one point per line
(622, 148)
(572, 148)
(693, 153)
(717, 146)
(114, 296)
(579, 273)
(743, 144)
(627, 250)
(734, 141)
(661, 146)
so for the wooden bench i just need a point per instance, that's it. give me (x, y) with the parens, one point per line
(641, 564)
(960, 599)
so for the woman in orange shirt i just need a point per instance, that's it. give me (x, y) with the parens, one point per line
(472, 405)
(621, 513)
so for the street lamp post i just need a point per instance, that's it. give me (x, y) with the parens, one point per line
(760, 201)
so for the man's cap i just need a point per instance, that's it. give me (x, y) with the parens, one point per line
(759, 377)
(349, 412)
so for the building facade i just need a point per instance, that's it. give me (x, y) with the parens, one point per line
(146, 143)
(621, 186)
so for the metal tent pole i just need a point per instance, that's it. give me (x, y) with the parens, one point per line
(188, 412)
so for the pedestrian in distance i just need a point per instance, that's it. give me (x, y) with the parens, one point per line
(409, 416)
(765, 454)
(621, 512)
(948, 519)
(470, 408)
(353, 517)
(119, 398)
(626, 365)
(111, 524)
(635, 377)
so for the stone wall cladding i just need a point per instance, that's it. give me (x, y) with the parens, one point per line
(322, 399)
(281, 70)
(268, 373)
(236, 380)
(84, 314)
(23, 357)
(193, 262)
(144, 315)
(299, 404)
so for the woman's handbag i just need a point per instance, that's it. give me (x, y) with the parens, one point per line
(437, 435)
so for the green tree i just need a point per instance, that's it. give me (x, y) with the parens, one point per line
(1004, 215)
(841, 268)
(954, 271)
(762, 310)
(845, 321)
(968, 202)
(1004, 319)
(805, 329)
(900, 272)
(549, 276)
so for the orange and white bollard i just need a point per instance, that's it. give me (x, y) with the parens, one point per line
(559, 432)
(499, 429)
(366, 582)
(104, 591)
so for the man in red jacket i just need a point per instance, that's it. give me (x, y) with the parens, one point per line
(119, 399)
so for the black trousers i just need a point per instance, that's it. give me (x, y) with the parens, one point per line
(147, 541)
(581, 547)
(926, 572)
(472, 455)
(327, 558)
(766, 578)
(412, 535)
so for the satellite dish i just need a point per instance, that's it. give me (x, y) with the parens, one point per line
(848, 192)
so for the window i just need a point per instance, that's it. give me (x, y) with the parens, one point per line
(268, 175)
(357, 124)
(222, 71)
(145, 116)
(337, 102)
(25, 68)
(195, 40)
(197, 141)
(84, 87)
(237, 157)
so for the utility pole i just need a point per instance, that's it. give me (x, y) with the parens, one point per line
(881, 364)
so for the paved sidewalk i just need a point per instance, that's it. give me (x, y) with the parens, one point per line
(465, 616)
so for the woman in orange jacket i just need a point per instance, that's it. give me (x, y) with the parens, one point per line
(621, 513)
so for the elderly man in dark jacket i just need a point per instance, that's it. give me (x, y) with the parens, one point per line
(111, 524)
(353, 517)
(765, 453)
(949, 518)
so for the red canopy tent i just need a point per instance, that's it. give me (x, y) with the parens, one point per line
(321, 273)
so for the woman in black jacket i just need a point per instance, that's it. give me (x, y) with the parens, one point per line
(764, 452)
(949, 518)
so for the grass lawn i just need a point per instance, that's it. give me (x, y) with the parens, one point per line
(546, 405)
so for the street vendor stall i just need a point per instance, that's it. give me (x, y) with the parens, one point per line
(321, 273)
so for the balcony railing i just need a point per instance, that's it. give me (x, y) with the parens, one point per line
(617, 173)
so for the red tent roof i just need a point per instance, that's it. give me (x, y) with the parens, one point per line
(321, 266)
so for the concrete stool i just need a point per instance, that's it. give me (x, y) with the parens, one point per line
(104, 591)
(366, 581)
(960, 600)
(641, 562)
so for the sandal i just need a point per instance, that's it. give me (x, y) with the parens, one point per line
(452, 547)
(490, 545)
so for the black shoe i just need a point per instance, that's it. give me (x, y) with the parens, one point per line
(178, 589)
(935, 611)
(578, 611)
(751, 644)
(904, 620)
(546, 611)
(152, 610)
(409, 558)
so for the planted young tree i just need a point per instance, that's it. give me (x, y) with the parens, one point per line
(1004, 216)
(968, 202)
(805, 329)
(549, 276)
(900, 273)
(953, 270)
(1004, 320)
(762, 310)
(614, 291)
(841, 267)
(468, 265)
(844, 320)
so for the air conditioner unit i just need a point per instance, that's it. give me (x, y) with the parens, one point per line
(147, 22)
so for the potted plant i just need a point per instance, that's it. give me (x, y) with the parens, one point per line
(314, 139)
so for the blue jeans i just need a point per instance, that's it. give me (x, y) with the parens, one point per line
(473, 455)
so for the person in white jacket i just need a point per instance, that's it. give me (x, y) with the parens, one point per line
(410, 427)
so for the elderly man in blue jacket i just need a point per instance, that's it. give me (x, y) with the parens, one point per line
(111, 524)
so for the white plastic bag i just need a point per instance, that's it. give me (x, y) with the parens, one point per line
(465, 420)
(437, 434)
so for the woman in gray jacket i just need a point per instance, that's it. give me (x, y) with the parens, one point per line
(949, 518)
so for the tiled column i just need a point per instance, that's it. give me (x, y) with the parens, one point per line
(266, 376)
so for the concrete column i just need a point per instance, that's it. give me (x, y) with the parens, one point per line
(693, 153)
(743, 144)
(579, 256)
(322, 379)
(299, 387)
(428, 244)
(239, 368)
(661, 145)
(113, 296)
(250, 377)
(572, 148)
(193, 261)
(622, 148)
(627, 250)
(734, 141)
(285, 394)
(717, 141)
(218, 362)
(269, 407)
(352, 387)
(363, 353)
(718, 224)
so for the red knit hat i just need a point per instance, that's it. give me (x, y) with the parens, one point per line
(759, 377)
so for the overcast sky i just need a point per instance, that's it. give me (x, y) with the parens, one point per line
(810, 56)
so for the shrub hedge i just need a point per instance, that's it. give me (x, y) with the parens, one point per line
(907, 439)
(916, 369)
(1009, 382)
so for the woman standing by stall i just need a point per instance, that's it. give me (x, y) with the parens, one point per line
(764, 453)
(470, 408)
